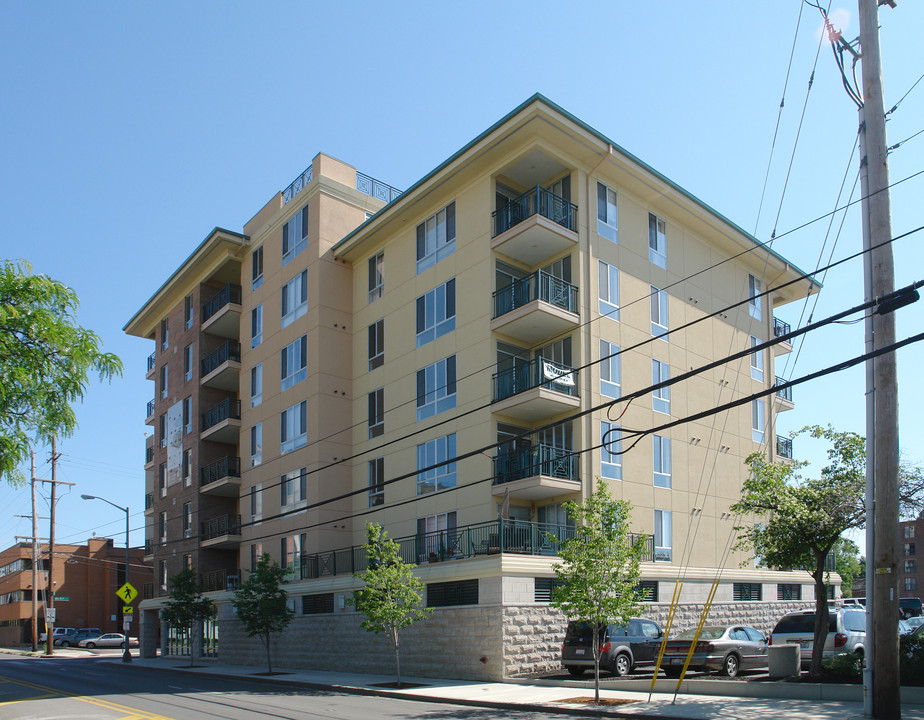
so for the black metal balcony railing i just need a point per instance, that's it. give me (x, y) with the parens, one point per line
(784, 446)
(220, 580)
(222, 411)
(535, 201)
(150, 409)
(490, 538)
(230, 293)
(149, 547)
(225, 467)
(535, 373)
(152, 361)
(148, 501)
(537, 460)
(147, 591)
(221, 525)
(780, 328)
(783, 392)
(228, 350)
(538, 286)
(148, 455)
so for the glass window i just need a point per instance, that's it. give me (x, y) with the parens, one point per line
(908, 531)
(753, 299)
(606, 213)
(293, 362)
(291, 550)
(658, 313)
(293, 427)
(189, 312)
(758, 420)
(660, 396)
(376, 276)
(662, 533)
(187, 415)
(257, 267)
(610, 370)
(187, 363)
(164, 334)
(436, 237)
(163, 430)
(662, 461)
(757, 360)
(377, 344)
(256, 326)
(163, 381)
(436, 312)
(377, 482)
(187, 468)
(256, 503)
(256, 385)
(657, 240)
(256, 445)
(376, 418)
(294, 299)
(610, 451)
(187, 520)
(911, 583)
(436, 388)
(293, 487)
(256, 552)
(295, 236)
(431, 452)
(609, 290)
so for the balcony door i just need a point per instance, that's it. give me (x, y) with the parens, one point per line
(512, 370)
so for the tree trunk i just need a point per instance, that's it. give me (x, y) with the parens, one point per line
(394, 639)
(597, 639)
(269, 659)
(821, 617)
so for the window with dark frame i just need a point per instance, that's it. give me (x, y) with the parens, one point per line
(457, 592)
(747, 592)
(377, 344)
(317, 604)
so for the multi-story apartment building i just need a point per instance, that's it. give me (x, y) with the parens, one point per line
(85, 580)
(911, 575)
(454, 365)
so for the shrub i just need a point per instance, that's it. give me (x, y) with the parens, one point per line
(911, 659)
(845, 667)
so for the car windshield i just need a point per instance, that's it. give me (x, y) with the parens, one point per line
(710, 632)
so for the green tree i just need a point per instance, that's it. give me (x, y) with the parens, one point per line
(262, 603)
(391, 593)
(45, 359)
(802, 519)
(187, 605)
(847, 563)
(597, 578)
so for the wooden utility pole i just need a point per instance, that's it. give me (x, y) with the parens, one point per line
(881, 677)
(35, 560)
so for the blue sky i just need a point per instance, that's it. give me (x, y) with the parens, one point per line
(130, 130)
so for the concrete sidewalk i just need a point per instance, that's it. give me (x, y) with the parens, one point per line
(546, 696)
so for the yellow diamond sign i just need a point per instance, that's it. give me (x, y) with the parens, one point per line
(127, 593)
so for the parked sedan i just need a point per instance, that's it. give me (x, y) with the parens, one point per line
(725, 649)
(108, 640)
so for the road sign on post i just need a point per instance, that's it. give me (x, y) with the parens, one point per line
(127, 593)
(50, 615)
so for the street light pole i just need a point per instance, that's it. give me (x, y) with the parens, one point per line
(126, 653)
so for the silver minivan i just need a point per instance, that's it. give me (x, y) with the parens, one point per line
(846, 632)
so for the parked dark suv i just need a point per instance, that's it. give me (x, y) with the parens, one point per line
(73, 637)
(622, 647)
(909, 607)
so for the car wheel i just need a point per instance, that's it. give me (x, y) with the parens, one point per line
(122, 645)
(575, 671)
(90, 646)
(65, 643)
(730, 666)
(622, 665)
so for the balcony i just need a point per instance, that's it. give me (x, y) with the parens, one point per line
(222, 477)
(537, 473)
(784, 447)
(781, 328)
(149, 504)
(222, 314)
(221, 368)
(491, 538)
(152, 365)
(535, 226)
(536, 307)
(222, 423)
(223, 531)
(535, 390)
(783, 396)
(220, 580)
(148, 457)
(149, 549)
(149, 413)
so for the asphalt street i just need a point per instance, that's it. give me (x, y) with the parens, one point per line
(87, 689)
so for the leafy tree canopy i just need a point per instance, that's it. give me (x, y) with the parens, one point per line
(262, 603)
(186, 605)
(45, 360)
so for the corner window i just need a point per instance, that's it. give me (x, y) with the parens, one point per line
(256, 503)
(660, 396)
(164, 334)
(436, 237)
(662, 461)
(606, 213)
(294, 299)
(657, 241)
(610, 370)
(256, 260)
(753, 297)
(256, 326)
(662, 536)
(293, 363)
(376, 276)
(256, 385)
(436, 388)
(376, 350)
(293, 487)
(293, 427)
(610, 451)
(189, 312)
(658, 313)
(295, 236)
(377, 482)
(256, 445)
(436, 312)
(758, 420)
(376, 417)
(757, 360)
(608, 285)
(432, 452)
